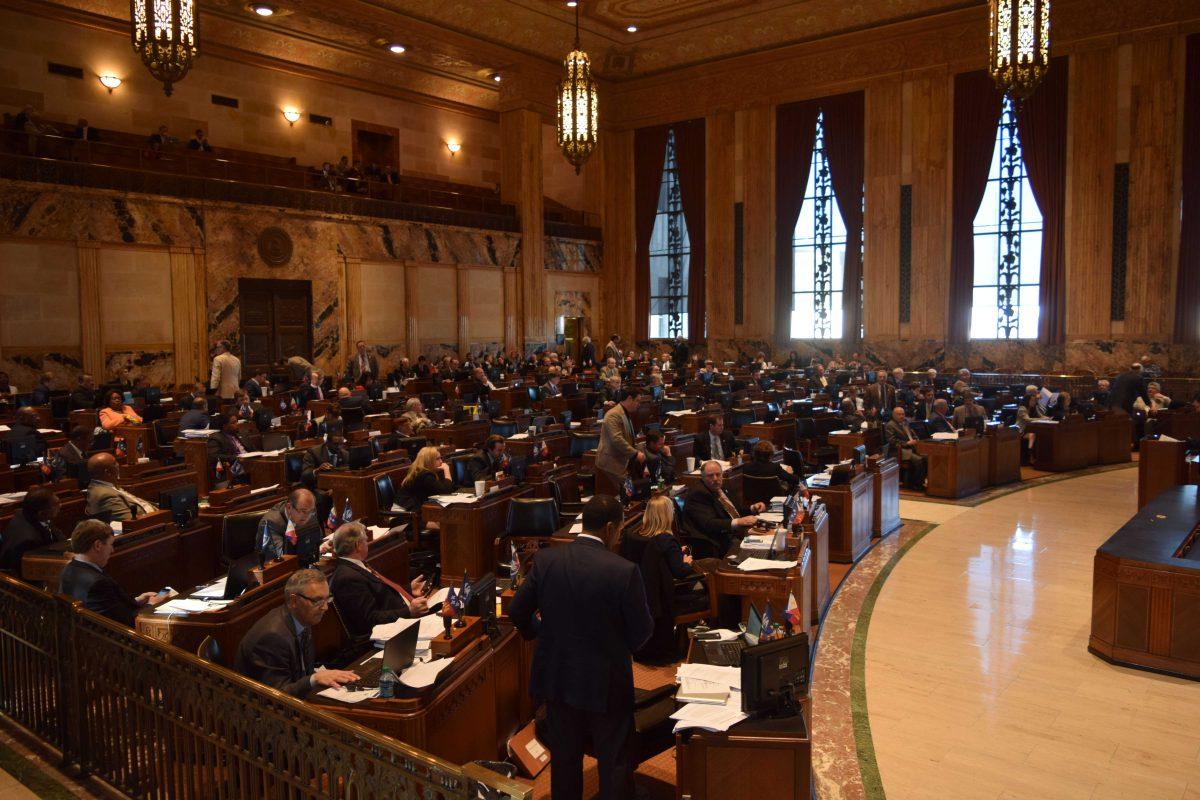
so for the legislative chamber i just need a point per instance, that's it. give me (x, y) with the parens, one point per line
(539, 399)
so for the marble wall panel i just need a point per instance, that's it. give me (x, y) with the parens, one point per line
(573, 255)
(156, 366)
(24, 367)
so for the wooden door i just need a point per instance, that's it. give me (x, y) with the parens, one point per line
(276, 321)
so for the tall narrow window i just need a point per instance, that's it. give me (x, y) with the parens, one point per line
(669, 255)
(1008, 244)
(818, 253)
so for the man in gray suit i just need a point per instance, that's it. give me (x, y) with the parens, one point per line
(105, 500)
(362, 361)
(617, 436)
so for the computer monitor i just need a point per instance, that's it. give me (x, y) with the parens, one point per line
(399, 650)
(128, 397)
(975, 423)
(276, 441)
(360, 456)
(775, 675)
(153, 395)
(517, 468)
(183, 502)
(860, 454)
(481, 599)
(23, 450)
(790, 506)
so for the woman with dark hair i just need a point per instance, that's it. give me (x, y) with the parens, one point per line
(32, 527)
(116, 412)
(762, 466)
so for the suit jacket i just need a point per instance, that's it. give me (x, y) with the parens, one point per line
(550, 390)
(308, 392)
(83, 398)
(705, 518)
(40, 395)
(703, 446)
(593, 617)
(98, 592)
(105, 502)
(616, 442)
(613, 351)
(21, 535)
(320, 454)
(354, 366)
(363, 600)
(897, 437)
(195, 419)
(962, 413)
(939, 424)
(253, 389)
(587, 356)
(1126, 388)
(883, 398)
(423, 487)
(221, 446)
(482, 467)
(659, 465)
(272, 541)
(226, 375)
(270, 653)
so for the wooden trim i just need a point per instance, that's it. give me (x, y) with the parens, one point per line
(90, 322)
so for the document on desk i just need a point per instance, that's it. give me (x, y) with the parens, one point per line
(418, 676)
(709, 717)
(760, 564)
(680, 413)
(214, 590)
(839, 433)
(726, 676)
(344, 695)
(943, 436)
(381, 633)
(451, 499)
(257, 453)
(771, 516)
(519, 436)
(264, 489)
(190, 606)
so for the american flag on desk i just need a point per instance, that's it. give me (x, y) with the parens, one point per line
(770, 628)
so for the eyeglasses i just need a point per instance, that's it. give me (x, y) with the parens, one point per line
(303, 513)
(317, 601)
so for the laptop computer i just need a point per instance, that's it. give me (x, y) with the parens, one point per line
(729, 654)
(398, 653)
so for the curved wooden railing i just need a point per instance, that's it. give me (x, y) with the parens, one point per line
(153, 721)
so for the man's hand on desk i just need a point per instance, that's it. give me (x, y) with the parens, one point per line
(746, 521)
(151, 598)
(758, 508)
(332, 678)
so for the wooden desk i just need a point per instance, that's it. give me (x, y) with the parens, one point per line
(358, 487)
(885, 495)
(1161, 466)
(1179, 424)
(850, 517)
(470, 531)
(137, 562)
(1114, 439)
(781, 433)
(148, 484)
(1144, 589)
(753, 760)
(1063, 446)
(195, 455)
(846, 442)
(461, 435)
(73, 502)
(509, 398)
(957, 467)
(558, 445)
(1003, 448)
(267, 470)
(139, 440)
(576, 403)
(816, 528)
(728, 582)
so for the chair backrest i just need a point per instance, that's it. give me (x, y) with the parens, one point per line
(60, 406)
(583, 442)
(273, 440)
(238, 534)
(672, 404)
(210, 651)
(352, 418)
(532, 516)
(432, 399)
(165, 431)
(412, 444)
(384, 443)
(293, 466)
(759, 489)
(385, 492)
(742, 416)
(505, 428)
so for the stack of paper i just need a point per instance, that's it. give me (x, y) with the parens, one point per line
(264, 489)
(707, 717)
(519, 436)
(345, 695)
(760, 564)
(431, 626)
(194, 433)
(214, 590)
(943, 436)
(190, 606)
(702, 687)
(257, 453)
(418, 676)
(450, 499)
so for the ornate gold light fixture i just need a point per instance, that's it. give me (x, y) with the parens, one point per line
(578, 116)
(1019, 45)
(164, 35)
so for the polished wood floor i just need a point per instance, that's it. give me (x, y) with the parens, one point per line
(978, 681)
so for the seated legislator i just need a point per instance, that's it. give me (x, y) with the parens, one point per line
(30, 528)
(70, 460)
(710, 518)
(849, 415)
(116, 412)
(257, 385)
(1155, 400)
(83, 577)
(24, 428)
(1099, 397)
(609, 370)
(660, 464)
(329, 454)
(364, 597)
(762, 465)
(291, 528)
(427, 476)
(40, 395)
(586, 608)
(278, 649)
(968, 410)
(84, 395)
(105, 500)
(349, 400)
(664, 561)
(193, 419)
(940, 422)
(550, 387)
(1031, 408)
(414, 414)
(490, 461)
(902, 442)
(717, 444)
(311, 390)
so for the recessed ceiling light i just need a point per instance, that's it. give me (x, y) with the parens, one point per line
(397, 48)
(496, 77)
(632, 29)
(262, 9)
(571, 3)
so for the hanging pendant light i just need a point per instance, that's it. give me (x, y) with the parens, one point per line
(578, 117)
(1019, 45)
(164, 35)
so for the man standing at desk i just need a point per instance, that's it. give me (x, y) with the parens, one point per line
(586, 607)
(226, 377)
(278, 650)
(291, 528)
(83, 577)
(616, 446)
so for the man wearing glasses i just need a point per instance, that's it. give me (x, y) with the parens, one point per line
(291, 528)
(278, 650)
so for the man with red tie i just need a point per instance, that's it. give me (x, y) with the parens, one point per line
(364, 597)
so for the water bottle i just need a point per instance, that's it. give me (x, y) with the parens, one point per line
(387, 683)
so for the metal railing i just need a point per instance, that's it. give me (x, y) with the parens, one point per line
(153, 721)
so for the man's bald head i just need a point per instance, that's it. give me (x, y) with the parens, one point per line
(102, 466)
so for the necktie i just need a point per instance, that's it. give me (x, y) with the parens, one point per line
(304, 641)
(727, 504)
(717, 452)
(397, 588)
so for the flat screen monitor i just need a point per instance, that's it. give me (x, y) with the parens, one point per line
(183, 503)
(753, 626)
(775, 675)
(481, 600)
(360, 456)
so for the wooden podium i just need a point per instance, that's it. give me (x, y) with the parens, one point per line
(850, 517)
(753, 760)
(957, 467)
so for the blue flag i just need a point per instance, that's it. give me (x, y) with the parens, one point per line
(347, 512)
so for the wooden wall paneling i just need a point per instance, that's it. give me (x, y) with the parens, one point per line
(758, 235)
(1154, 170)
(1091, 154)
(411, 307)
(930, 118)
(620, 243)
(720, 146)
(881, 241)
(462, 282)
(511, 300)
(185, 308)
(353, 313)
(90, 337)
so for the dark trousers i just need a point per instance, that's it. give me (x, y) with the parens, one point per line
(569, 729)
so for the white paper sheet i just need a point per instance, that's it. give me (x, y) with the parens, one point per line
(418, 676)
(519, 436)
(942, 436)
(760, 564)
(344, 695)
(451, 499)
(726, 676)
(264, 489)
(189, 606)
(381, 633)
(438, 597)
(216, 590)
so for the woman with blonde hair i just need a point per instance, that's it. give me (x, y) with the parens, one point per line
(427, 476)
(662, 563)
(658, 529)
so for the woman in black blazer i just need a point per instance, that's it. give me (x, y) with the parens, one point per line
(429, 475)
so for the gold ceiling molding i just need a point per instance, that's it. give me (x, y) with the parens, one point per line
(952, 42)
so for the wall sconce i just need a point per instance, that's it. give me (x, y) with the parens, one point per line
(453, 147)
(110, 82)
(292, 116)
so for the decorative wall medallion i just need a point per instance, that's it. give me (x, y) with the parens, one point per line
(275, 247)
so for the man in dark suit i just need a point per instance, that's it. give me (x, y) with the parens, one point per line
(660, 464)
(84, 395)
(256, 386)
(881, 394)
(41, 392)
(587, 354)
(717, 444)
(1126, 388)
(593, 616)
(364, 597)
(349, 401)
(903, 445)
(328, 454)
(83, 577)
(311, 390)
(940, 421)
(24, 429)
(550, 387)
(70, 461)
(278, 649)
(193, 419)
(291, 527)
(710, 518)
(487, 462)
(30, 528)
(362, 361)
(1099, 397)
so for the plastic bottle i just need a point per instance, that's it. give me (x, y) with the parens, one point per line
(387, 683)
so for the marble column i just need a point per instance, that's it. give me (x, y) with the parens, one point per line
(521, 184)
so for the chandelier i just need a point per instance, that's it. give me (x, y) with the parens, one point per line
(578, 117)
(1019, 45)
(164, 35)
